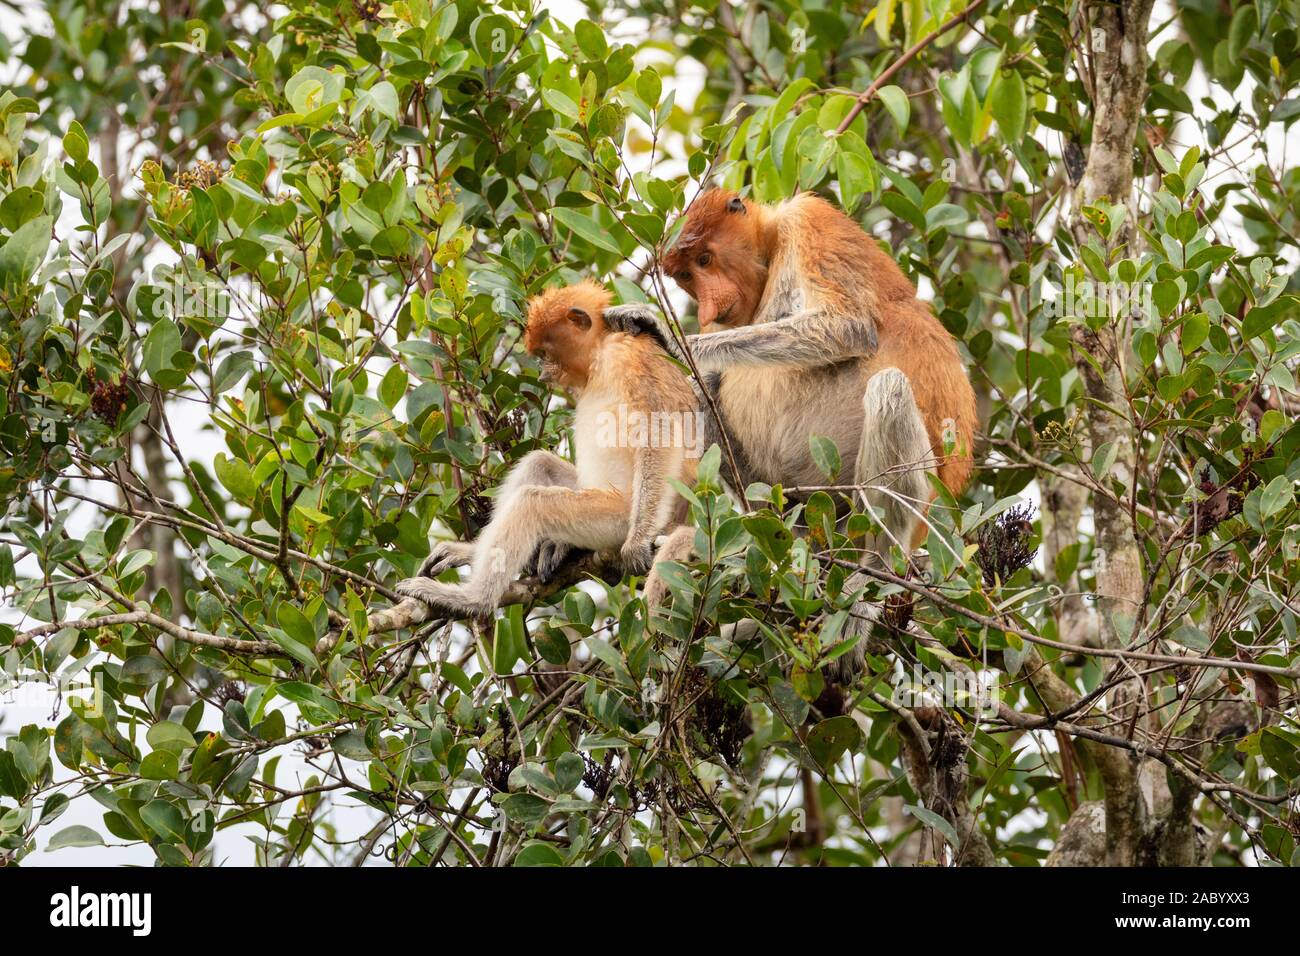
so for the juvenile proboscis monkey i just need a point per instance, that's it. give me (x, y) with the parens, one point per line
(633, 429)
(809, 327)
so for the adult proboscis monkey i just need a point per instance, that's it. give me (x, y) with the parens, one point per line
(809, 327)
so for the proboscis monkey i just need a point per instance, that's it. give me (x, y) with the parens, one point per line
(634, 428)
(809, 327)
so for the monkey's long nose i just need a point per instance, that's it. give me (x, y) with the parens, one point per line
(707, 312)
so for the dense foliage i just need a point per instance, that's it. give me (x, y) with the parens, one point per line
(311, 237)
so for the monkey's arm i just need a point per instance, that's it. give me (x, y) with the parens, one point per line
(808, 339)
(648, 488)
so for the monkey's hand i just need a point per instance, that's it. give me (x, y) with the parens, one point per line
(637, 556)
(678, 546)
(637, 319)
(656, 589)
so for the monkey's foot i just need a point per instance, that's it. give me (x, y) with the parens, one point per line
(656, 590)
(553, 555)
(637, 558)
(449, 598)
(844, 670)
(444, 555)
(550, 555)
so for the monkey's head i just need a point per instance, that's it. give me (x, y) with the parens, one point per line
(721, 258)
(564, 328)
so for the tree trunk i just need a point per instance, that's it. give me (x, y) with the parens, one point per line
(1117, 39)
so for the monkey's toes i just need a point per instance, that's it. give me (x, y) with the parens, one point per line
(550, 556)
(418, 588)
(844, 670)
(655, 592)
(638, 559)
(439, 560)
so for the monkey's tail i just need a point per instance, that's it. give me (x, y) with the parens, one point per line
(894, 458)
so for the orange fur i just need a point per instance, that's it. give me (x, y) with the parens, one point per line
(737, 265)
(632, 366)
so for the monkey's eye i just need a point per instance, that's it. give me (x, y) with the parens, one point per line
(683, 276)
(703, 260)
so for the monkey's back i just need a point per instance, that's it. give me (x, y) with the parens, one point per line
(634, 398)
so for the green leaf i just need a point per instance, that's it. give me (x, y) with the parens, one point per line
(899, 106)
(236, 476)
(525, 808)
(1009, 104)
(75, 143)
(1277, 494)
(1280, 752)
(587, 228)
(569, 769)
(24, 251)
(1195, 330)
(383, 97)
(1191, 636)
(312, 88)
(160, 345)
(393, 386)
(537, 853)
(74, 836)
(933, 820)
(494, 37)
(856, 177)
(296, 625)
(305, 695)
(1242, 29)
(165, 820)
(830, 739)
(171, 736)
(826, 455)
(160, 765)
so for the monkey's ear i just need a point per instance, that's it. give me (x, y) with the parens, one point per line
(580, 318)
(736, 204)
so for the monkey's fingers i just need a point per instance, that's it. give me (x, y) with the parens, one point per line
(656, 590)
(638, 319)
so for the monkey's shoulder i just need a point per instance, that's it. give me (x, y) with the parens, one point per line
(637, 370)
(642, 350)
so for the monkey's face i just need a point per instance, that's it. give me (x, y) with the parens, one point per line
(718, 262)
(564, 330)
(565, 345)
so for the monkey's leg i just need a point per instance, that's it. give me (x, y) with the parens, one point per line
(542, 468)
(580, 517)
(893, 458)
(535, 468)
